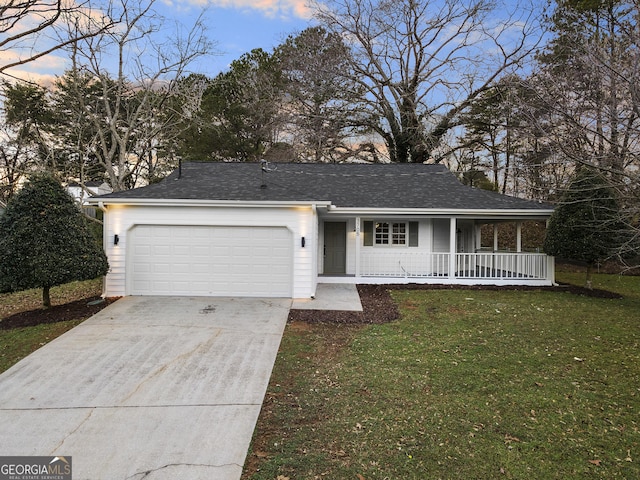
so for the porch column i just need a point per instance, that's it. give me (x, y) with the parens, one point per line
(518, 237)
(357, 249)
(495, 237)
(453, 246)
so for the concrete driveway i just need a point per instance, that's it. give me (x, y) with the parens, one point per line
(150, 387)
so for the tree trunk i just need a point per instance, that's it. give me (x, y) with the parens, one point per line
(46, 297)
(589, 284)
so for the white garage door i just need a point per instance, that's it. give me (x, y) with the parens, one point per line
(202, 260)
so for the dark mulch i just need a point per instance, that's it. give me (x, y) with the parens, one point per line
(77, 310)
(562, 287)
(379, 307)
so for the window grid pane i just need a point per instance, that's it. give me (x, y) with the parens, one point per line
(382, 234)
(399, 234)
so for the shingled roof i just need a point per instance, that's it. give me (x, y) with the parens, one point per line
(390, 186)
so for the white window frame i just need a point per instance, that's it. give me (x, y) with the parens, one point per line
(391, 234)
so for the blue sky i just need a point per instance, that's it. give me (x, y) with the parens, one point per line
(239, 30)
(235, 26)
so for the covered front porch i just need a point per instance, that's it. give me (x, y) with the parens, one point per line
(427, 250)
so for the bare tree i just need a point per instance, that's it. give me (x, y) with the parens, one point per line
(588, 79)
(15, 159)
(31, 29)
(422, 63)
(26, 117)
(320, 94)
(137, 76)
(587, 82)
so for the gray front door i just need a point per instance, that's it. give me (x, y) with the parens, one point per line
(335, 247)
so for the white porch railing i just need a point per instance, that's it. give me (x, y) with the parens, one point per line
(473, 266)
(499, 266)
(404, 264)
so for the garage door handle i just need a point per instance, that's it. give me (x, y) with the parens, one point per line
(324, 251)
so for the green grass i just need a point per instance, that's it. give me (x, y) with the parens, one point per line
(17, 343)
(11, 303)
(468, 384)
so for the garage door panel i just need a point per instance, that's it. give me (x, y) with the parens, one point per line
(201, 269)
(202, 260)
(161, 250)
(159, 268)
(142, 250)
(185, 250)
(142, 267)
(222, 270)
(262, 251)
(202, 250)
(219, 250)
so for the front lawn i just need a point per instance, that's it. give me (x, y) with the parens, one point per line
(25, 326)
(467, 384)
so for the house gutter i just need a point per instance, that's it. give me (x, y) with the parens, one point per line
(324, 205)
(202, 203)
(460, 213)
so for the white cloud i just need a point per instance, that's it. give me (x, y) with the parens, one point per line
(42, 71)
(43, 79)
(270, 8)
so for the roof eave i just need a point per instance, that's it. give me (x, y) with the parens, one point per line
(330, 208)
(163, 202)
(449, 212)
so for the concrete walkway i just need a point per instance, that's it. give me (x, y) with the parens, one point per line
(331, 296)
(150, 387)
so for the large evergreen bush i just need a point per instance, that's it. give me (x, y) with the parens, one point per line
(586, 225)
(45, 240)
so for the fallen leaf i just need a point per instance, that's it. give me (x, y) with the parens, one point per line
(360, 477)
(261, 454)
(577, 359)
(595, 462)
(508, 438)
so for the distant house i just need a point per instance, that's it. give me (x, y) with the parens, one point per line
(2, 207)
(234, 229)
(91, 189)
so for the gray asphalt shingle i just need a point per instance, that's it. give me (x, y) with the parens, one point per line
(344, 185)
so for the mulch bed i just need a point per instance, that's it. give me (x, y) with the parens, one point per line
(77, 310)
(379, 307)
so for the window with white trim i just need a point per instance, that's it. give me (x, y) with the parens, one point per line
(391, 233)
(402, 234)
(382, 233)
